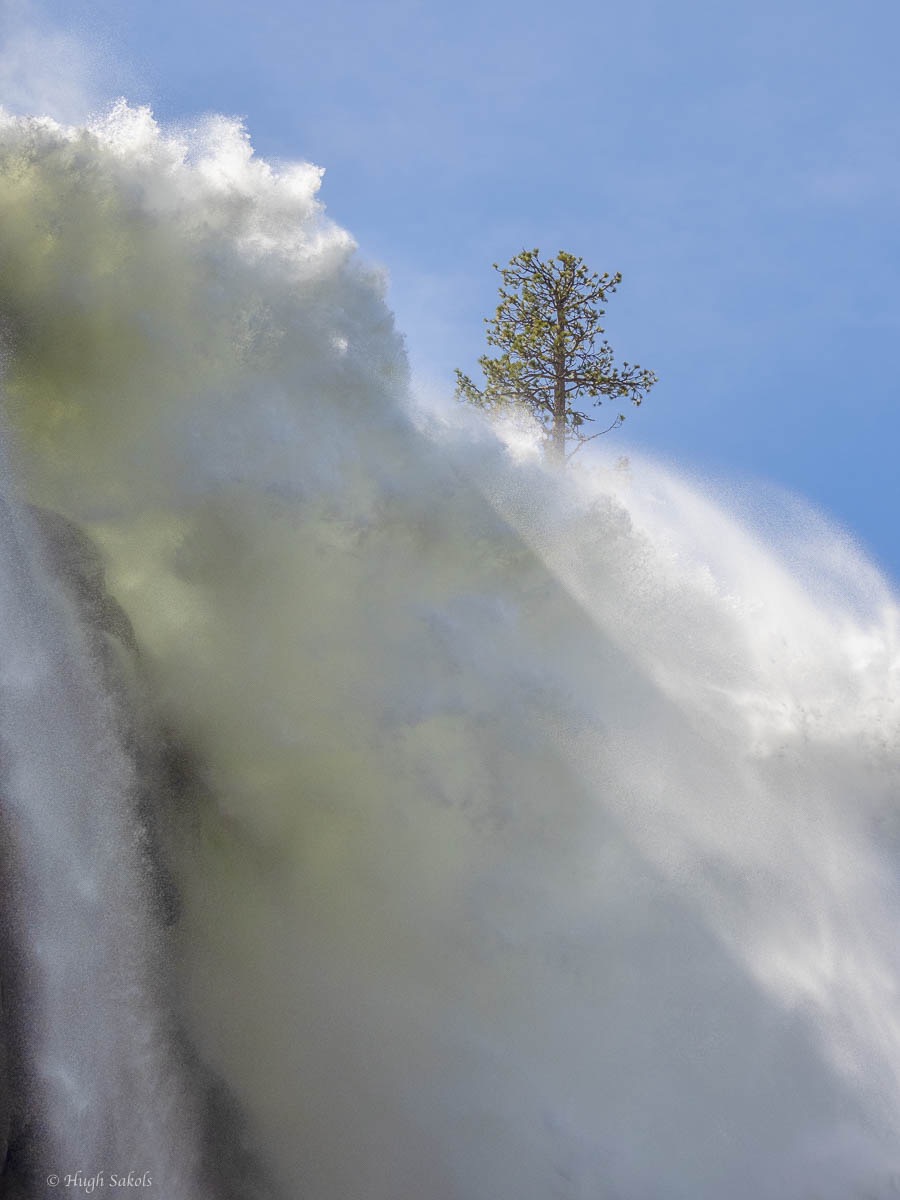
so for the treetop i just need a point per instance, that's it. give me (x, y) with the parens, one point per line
(547, 325)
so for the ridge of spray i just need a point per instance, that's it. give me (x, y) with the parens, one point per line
(543, 837)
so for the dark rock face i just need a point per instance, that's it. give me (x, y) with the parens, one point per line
(169, 779)
(77, 563)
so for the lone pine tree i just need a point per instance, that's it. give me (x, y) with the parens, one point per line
(547, 327)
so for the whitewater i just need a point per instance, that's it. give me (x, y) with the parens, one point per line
(480, 833)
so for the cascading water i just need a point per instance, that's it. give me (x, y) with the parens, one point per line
(97, 1054)
(536, 838)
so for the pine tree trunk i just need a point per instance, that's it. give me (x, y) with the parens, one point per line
(558, 436)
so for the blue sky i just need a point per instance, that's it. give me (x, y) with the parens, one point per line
(737, 162)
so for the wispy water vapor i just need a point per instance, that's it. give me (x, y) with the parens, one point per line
(44, 69)
(543, 840)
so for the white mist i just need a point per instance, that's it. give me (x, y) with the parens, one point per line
(544, 836)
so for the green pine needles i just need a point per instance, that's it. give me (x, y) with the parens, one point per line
(547, 327)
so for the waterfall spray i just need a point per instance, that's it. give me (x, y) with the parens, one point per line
(98, 1082)
(536, 837)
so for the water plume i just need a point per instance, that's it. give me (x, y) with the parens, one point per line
(537, 836)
